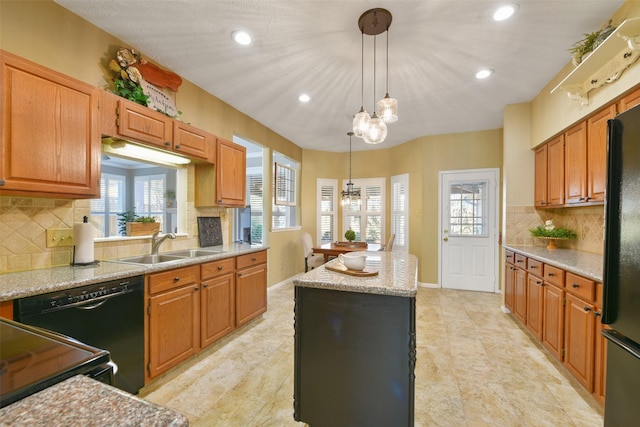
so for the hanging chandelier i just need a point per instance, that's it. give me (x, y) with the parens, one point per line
(350, 194)
(373, 128)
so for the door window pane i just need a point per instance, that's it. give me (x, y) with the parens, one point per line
(467, 215)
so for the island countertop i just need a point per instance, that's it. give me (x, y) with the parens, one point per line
(397, 276)
(81, 401)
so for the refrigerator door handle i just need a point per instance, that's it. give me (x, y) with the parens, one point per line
(612, 230)
(625, 343)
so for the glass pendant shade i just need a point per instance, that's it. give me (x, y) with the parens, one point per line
(387, 109)
(377, 131)
(361, 122)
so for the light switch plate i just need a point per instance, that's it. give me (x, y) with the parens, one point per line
(57, 237)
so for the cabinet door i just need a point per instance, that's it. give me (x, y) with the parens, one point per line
(174, 332)
(509, 286)
(579, 340)
(553, 320)
(520, 299)
(535, 298)
(217, 303)
(230, 174)
(575, 160)
(50, 143)
(600, 362)
(142, 124)
(541, 173)
(555, 171)
(630, 100)
(193, 142)
(597, 154)
(251, 293)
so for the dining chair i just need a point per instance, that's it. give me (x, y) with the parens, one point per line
(311, 260)
(389, 246)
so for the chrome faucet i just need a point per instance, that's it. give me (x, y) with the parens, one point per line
(157, 241)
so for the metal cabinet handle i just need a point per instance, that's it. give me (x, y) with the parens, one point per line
(177, 147)
(206, 285)
(550, 274)
(219, 268)
(254, 259)
(176, 279)
(196, 288)
(575, 286)
(597, 313)
(587, 309)
(167, 143)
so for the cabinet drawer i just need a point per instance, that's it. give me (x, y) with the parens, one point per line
(581, 287)
(554, 275)
(521, 261)
(159, 282)
(217, 268)
(534, 267)
(244, 261)
(509, 257)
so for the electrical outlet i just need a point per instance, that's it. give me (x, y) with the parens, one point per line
(57, 237)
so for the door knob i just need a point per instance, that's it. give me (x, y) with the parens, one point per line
(446, 239)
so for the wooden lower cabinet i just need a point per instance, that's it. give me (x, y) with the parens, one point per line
(535, 305)
(509, 286)
(190, 308)
(174, 322)
(580, 325)
(520, 297)
(553, 320)
(217, 300)
(251, 298)
(600, 361)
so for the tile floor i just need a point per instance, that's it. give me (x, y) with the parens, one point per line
(475, 367)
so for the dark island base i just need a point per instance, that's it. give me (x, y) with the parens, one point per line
(355, 356)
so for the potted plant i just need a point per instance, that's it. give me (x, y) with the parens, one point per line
(552, 233)
(583, 47)
(350, 235)
(131, 224)
(170, 198)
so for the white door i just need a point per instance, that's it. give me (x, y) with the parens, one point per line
(468, 230)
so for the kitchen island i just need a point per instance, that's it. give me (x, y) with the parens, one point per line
(355, 344)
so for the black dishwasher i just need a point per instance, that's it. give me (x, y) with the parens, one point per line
(108, 315)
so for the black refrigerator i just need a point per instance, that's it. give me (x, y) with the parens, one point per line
(621, 274)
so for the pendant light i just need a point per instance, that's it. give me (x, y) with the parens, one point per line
(349, 195)
(361, 120)
(388, 107)
(374, 22)
(377, 129)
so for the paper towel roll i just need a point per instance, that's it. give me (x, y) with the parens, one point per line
(83, 233)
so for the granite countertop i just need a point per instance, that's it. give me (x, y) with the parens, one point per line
(34, 282)
(581, 263)
(82, 401)
(397, 276)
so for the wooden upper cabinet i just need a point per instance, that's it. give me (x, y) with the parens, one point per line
(50, 142)
(142, 124)
(230, 174)
(541, 194)
(575, 152)
(555, 171)
(194, 142)
(629, 101)
(597, 154)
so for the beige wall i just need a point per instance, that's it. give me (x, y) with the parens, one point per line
(48, 34)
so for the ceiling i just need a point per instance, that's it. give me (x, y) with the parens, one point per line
(314, 47)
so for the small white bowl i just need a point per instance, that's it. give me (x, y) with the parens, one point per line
(353, 260)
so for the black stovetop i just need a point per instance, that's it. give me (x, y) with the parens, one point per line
(32, 359)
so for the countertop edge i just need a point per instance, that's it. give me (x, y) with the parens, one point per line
(584, 264)
(40, 281)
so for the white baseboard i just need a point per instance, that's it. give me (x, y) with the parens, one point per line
(429, 285)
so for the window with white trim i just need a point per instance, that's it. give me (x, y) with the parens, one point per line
(256, 155)
(400, 211)
(149, 196)
(327, 210)
(285, 194)
(366, 216)
(105, 210)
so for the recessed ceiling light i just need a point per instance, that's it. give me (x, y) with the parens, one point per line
(483, 74)
(505, 12)
(304, 98)
(241, 37)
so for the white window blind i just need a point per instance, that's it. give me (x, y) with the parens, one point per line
(400, 211)
(255, 191)
(327, 190)
(104, 211)
(367, 216)
(149, 196)
(284, 212)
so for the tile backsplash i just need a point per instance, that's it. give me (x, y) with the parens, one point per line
(24, 222)
(586, 221)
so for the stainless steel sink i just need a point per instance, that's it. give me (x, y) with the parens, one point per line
(193, 253)
(150, 259)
